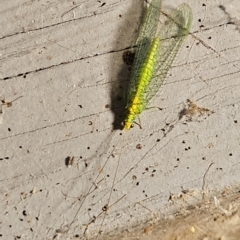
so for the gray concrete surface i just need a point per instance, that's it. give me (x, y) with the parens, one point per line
(65, 172)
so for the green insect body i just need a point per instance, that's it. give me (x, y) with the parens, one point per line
(137, 103)
(156, 50)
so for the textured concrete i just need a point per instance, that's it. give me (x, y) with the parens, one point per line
(65, 173)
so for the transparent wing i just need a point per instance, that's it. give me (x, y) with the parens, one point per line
(146, 35)
(150, 22)
(172, 35)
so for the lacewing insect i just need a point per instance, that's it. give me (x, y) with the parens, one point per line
(156, 51)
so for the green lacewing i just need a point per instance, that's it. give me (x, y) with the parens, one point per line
(156, 51)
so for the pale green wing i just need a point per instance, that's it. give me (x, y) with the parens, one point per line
(146, 35)
(150, 22)
(172, 35)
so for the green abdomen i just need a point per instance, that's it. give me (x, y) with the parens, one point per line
(137, 103)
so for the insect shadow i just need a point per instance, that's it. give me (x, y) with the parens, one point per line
(120, 85)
